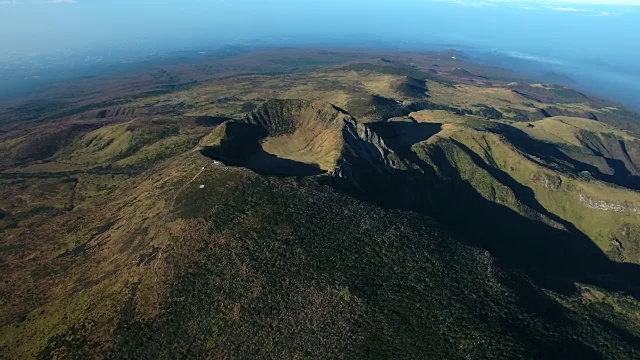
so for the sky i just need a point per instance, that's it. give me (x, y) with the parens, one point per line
(589, 33)
(40, 26)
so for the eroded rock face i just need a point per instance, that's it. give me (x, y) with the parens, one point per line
(625, 246)
(363, 148)
(603, 205)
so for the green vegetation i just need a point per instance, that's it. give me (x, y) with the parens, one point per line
(490, 113)
(366, 210)
(281, 261)
(378, 108)
(409, 72)
(412, 88)
(427, 105)
(567, 93)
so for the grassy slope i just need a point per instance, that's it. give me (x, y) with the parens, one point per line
(373, 281)
(65, 266)
(269, 264)
(311, 135)
(382, 282)
(558, 192)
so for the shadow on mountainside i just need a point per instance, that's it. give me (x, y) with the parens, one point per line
(555, 259)
(263, 162)
(400, 136)
(551, 154)
(241, 147)
(401, 288)
(523, 193)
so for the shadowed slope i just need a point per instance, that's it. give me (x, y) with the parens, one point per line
(285, 269)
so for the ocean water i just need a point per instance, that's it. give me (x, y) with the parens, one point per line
(615, 82)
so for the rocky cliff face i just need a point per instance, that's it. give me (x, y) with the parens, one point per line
(604, 205)
(364, 149)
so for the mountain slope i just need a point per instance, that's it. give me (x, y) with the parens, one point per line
(272, 267)
(547, 180)
(287, 269)
(361, 212)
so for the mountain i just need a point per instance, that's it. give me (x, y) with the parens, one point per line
(358, 209)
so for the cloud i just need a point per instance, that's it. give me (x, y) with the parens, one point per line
(8, 2)
(587, 7)
(553, 3)
(579, 2)
(567, 9)
(470, 3)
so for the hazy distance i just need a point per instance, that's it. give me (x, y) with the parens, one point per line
(592, 42)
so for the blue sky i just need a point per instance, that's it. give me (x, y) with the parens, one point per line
(37, 26)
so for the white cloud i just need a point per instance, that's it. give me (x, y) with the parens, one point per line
(602, 2)
(583, 2)
(34, 2)
(567, 9)
(556, 3)
(471, 3)
(518, 55)
(593, 7)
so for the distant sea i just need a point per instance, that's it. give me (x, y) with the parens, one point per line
(619, 83)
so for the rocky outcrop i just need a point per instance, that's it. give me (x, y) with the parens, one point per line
(625, 245)
(365, 150)
(603, 205)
